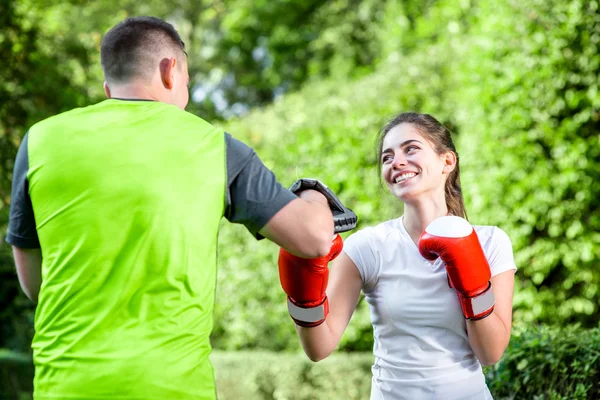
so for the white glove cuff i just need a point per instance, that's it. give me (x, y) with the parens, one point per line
(308, 315)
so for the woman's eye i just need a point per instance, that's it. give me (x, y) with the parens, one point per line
(411, 148)
(386, 159)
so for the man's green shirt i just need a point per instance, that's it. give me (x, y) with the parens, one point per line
(127, 197)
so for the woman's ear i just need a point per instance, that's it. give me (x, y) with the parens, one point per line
(450, 160)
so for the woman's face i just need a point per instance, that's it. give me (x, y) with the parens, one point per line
(410, 166)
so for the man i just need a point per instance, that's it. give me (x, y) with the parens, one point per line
(114, 222)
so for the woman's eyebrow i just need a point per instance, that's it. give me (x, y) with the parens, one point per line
(390, 150)
(409, 141)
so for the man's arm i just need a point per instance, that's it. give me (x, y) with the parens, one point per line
(22, 233)
(303, 224)
(29, 270)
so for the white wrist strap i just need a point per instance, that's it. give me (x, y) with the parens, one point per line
(481, 304)
(310, 315)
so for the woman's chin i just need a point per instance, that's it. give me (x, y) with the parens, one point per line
(405, 195)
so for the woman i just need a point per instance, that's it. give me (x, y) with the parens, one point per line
(434, 322)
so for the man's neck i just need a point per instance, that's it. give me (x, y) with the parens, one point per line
(133, 91)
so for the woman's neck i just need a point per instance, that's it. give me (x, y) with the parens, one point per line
(418, 216)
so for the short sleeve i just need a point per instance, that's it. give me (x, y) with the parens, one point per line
(500, 253)
(253, 195)
(360, 248)
(21, 230)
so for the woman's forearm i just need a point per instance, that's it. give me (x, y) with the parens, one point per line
(343, 291)
(489, 338)
(317, 342)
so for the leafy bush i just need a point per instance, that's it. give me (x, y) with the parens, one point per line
(540, 363)
(528, 111)
(549, 363)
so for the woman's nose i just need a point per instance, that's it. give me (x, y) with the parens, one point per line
(399, 160)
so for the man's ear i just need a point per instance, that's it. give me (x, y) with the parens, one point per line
(450, 160)
(167, 72)
(106, 90)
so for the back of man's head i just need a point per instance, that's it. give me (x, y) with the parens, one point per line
(133, 48)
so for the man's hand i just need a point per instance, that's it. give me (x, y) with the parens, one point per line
(344, 219)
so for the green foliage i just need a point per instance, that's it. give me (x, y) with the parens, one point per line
(27, 78)
(540, 363)
(544, 363)
(519, 87)
(326, 131)
(16, 375)
(255, 51)
(517, 82)
(263, 375)
(529, 138)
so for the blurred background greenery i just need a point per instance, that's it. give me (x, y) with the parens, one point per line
(308, 84)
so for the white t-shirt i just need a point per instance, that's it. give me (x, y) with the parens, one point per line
(421, 349)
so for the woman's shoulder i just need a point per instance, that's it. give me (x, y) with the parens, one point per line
(489, 230)
(492, 234)
(497, 247)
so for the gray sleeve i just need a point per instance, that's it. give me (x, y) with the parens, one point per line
(253, 194)
(21, 223)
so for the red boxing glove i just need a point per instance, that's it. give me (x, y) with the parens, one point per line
(455, 241)
(304, 280)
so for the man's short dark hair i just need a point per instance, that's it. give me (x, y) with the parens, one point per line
(132, 47)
